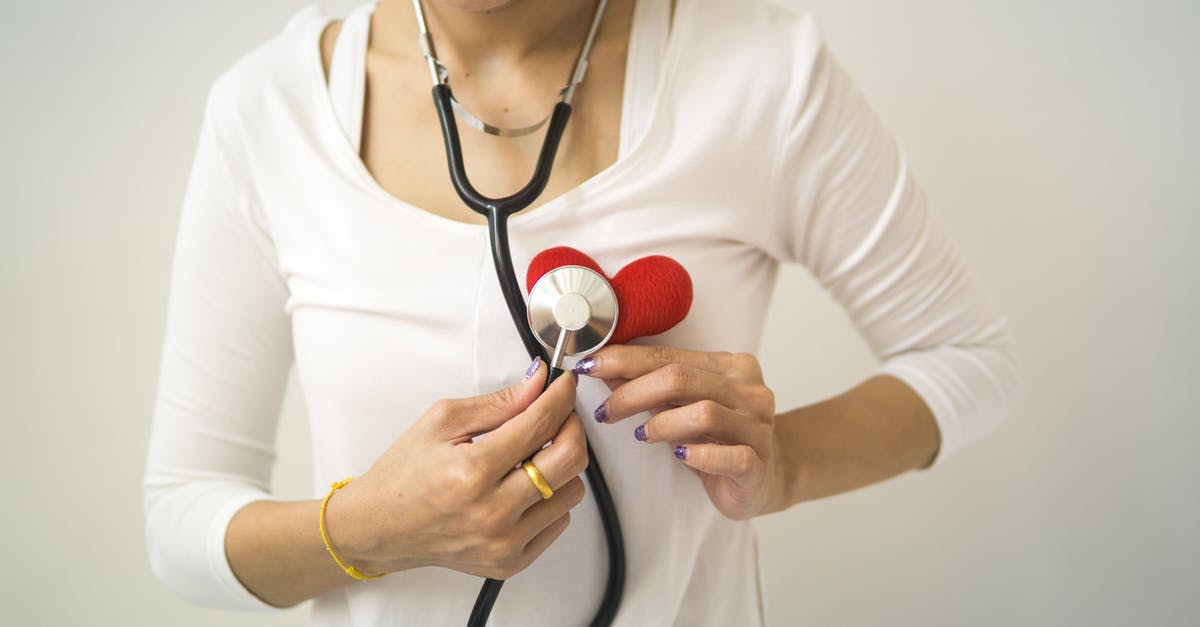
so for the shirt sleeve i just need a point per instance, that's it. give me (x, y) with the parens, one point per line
(855, 217)
(225, 360)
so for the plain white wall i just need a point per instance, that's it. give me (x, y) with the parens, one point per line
(1057, 142)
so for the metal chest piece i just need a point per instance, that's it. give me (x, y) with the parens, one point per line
(572, 311)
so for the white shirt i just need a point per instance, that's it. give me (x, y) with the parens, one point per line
(743, 145)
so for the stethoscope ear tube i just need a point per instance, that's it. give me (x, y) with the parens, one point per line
(508, 205)
(497, 210)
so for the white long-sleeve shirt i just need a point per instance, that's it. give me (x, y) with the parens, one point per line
(743, 145)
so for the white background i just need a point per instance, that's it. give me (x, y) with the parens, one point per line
(1057, 142)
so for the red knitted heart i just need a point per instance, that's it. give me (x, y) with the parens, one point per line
(653, 293)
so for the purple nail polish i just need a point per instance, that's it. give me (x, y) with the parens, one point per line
(574, 377)
(601, 414)
(640, 433)
(681, 452)
(533, 367)
(584, 366)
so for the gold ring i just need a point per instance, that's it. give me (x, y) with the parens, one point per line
(539, 481)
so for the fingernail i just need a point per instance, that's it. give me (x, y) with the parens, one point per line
(601, 414)
(640, 433)
(533, 367)
(681, 452)
(575, 376)
(584, 366)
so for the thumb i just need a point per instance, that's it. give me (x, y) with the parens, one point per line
(480, 414)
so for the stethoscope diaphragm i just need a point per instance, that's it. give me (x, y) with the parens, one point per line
(572, 311)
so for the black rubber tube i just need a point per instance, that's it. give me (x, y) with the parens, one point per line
(497, 211)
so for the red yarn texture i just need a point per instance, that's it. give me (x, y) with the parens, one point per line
(653, 293)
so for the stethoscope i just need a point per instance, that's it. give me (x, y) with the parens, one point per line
(572, 310)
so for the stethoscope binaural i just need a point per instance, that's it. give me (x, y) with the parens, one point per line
(572, 310)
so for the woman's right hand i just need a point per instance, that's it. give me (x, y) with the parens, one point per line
(437, 498)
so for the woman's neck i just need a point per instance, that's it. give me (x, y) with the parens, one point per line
(518, 32)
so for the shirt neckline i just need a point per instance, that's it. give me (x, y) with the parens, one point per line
(348, 158)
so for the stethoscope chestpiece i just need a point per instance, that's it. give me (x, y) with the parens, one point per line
(572, 311)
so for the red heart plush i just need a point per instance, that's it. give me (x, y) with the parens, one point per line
(653, 293)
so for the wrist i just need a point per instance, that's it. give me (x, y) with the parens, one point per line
(780, 480)
(795, 461)
(347, 534)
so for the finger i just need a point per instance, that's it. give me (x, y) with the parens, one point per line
(543, 540)
(463, 418)
(629, 361)
(614, 383)
(672, 385)
(517, 439)
(559, 463)
(704, 420)
(733, 461)
(546, 511)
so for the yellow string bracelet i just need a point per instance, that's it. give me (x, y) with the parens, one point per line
(350, 570)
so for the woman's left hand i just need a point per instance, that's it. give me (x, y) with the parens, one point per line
(711, 407)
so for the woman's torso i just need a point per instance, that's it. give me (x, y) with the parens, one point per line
(393, 306)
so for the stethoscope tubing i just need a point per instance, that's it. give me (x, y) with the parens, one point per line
(497, 211)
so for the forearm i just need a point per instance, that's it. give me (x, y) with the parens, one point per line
(876, 430)
(275, 550)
